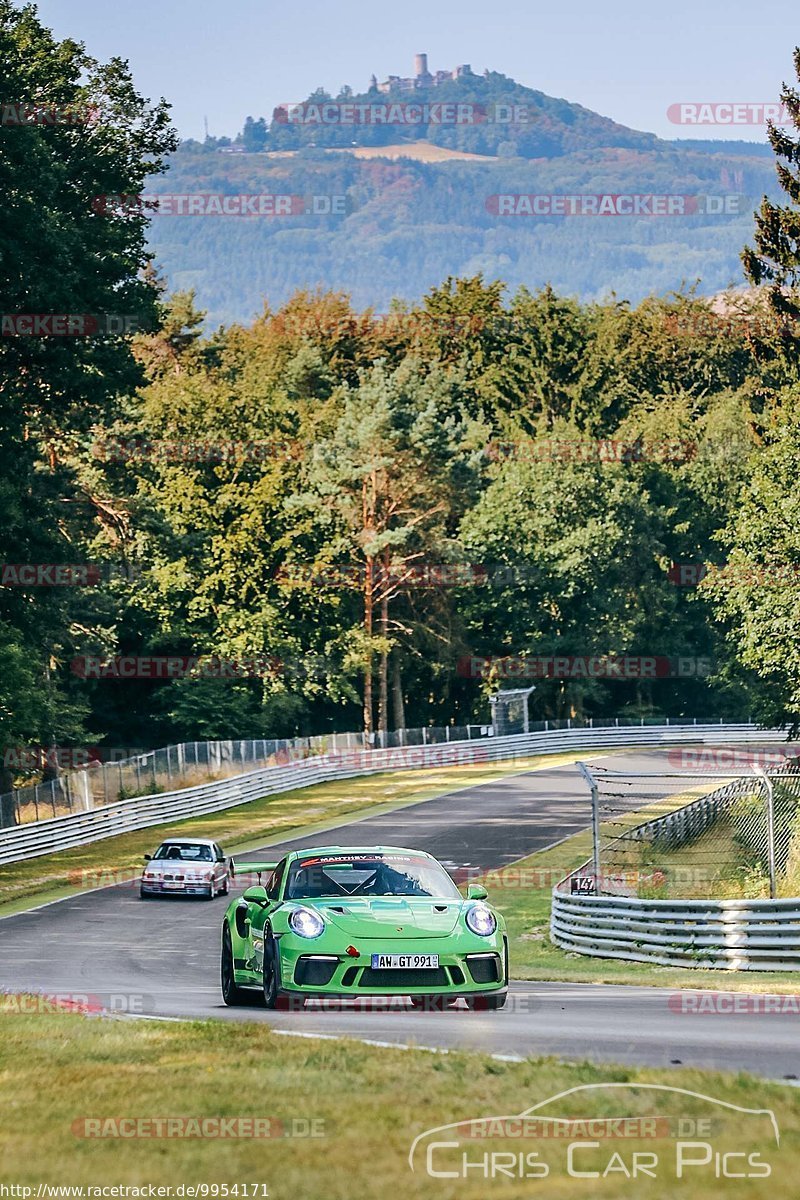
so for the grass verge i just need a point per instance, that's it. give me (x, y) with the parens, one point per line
(368, 1106)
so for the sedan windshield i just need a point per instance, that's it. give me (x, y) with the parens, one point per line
(368, 875)
(184, 852)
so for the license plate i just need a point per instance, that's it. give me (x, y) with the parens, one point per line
(404, 962)
(173, 883)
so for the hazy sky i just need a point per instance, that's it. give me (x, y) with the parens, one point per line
(627, 60)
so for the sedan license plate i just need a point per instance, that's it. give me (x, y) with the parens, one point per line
(173, 883)
(404, 962)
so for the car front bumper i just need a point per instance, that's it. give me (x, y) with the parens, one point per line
(464, 969)
(158, 887)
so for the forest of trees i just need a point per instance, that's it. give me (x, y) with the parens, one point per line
(356, 505)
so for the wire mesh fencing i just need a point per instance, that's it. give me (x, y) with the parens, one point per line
(694, 835)
(190, 763)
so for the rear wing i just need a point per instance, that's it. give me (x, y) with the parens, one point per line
(250, 874)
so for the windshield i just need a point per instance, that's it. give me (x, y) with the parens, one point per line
(184, 852)
(368, 875)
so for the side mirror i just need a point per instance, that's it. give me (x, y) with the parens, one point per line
(147, 857)
(476, 891)
(256, 895)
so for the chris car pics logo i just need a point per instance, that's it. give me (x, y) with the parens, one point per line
(623, 1132)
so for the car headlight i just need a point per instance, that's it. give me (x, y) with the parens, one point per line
(481, 920)
(306, 923)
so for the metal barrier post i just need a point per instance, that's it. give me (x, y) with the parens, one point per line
(591, 781)
(770, 810)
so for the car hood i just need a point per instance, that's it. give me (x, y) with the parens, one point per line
(176, 866)
(391, 917)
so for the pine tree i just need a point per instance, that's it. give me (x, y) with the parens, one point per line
(775, 261)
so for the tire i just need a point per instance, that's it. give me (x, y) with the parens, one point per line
(143, 895)
(274, 997)
(270, 972)
(488, 1003)
(232, 994)
(225, 887)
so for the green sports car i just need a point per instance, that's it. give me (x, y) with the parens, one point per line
(364, 921)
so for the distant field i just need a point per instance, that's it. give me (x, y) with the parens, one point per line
(421, 151)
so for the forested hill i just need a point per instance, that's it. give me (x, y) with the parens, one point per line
(398, 226)
(498, 116)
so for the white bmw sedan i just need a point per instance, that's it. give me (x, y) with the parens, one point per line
(188, 867)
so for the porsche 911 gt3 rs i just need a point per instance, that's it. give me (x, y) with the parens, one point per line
(362, 921)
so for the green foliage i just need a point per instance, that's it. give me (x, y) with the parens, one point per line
(758, 592)
(60, 255)
(321, 436)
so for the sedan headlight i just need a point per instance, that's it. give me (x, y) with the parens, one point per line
(481, 920)
(306, 923)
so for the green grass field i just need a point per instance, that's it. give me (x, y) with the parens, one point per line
(365, 1106)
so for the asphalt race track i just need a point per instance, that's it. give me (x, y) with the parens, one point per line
(161, 958)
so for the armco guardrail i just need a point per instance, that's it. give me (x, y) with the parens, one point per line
(61, 833)
(93, 783)
(689, 822)
(734, 935)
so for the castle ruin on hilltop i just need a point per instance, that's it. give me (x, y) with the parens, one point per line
(422, 77)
